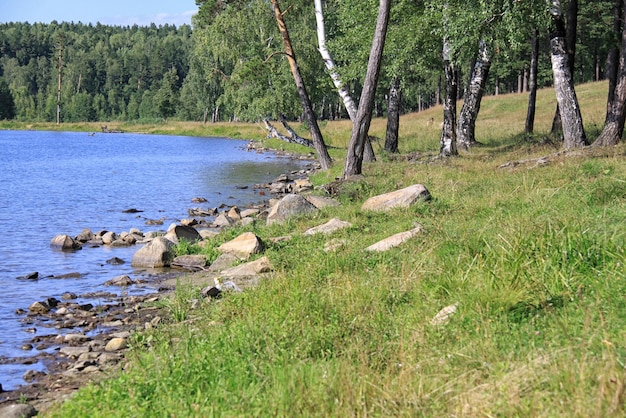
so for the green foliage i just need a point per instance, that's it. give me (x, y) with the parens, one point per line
(7, 103)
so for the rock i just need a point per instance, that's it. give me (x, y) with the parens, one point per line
(18, 411)
(115, 261)
(444, 315)
(394, 240)
(289, 206)
(322, 201)
(65, 243)
(247, 221)
(116, 344)
(302, 185)
(199, 200)
(253, 268)
(186, 233)
(30, 276)
(201, 212)
(249, 212)
(243, 246)
(109, 237)
(234, 213)
(189, 222)
(157, 253)
(223, 262)
(329, 227)
(75, 338)
(402, 198)
(69, 296)
(194, 261)
(154, 222)
(74, 352)
(39, 308)
(223, 220)
(122, 280)
(85, 236)
(207, 233)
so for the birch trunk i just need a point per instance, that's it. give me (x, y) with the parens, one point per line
(393, 117)
(614, 123)
(344, 94)
(466, 130)
(361, 125)
(448, 132)
(309, 114)
(572, 121)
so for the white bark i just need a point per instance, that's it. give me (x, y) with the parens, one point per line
(330, 64)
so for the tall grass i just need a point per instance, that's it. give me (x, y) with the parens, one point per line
(533, 256)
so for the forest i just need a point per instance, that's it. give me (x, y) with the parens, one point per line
(230, 65)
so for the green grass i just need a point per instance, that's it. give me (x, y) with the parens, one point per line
(534, 256)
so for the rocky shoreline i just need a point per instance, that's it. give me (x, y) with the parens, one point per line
(87, 340)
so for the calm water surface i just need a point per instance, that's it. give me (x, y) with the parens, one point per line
(60, 183)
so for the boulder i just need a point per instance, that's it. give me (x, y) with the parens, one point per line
(402, 198)
(116, 344)
(246, 213)
(85, 236)
(322, 201)
(329, 227)
(65, 243)
(18, 411)
(109, 237)
(243, 246)
(302, 185)
(186, 233)
(253, 268)
(222, 220)
(123, 280)
(193, 261)
(394, 240)
(39, 308)
(289, 206)
(157, 253)
(234, 213)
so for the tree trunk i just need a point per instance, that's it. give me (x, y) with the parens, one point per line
(448, 131)
(466, 132)
(614, 124)
(309, 114)
(570, 42)
(532, 84)
(360, 127)
(612, 61)
(573, 130)
(393, 117)
(348, 103)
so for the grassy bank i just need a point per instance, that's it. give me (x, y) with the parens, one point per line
(533, 255)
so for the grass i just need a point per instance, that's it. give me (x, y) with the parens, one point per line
(533, 255)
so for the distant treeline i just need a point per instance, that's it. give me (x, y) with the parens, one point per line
(95, 72)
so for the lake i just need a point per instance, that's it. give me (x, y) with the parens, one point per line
(61, 183)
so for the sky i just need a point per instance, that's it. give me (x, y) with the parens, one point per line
(108, 12)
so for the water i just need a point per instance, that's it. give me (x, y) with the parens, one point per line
(60, 183)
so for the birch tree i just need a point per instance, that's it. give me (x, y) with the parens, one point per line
(466, 131)
(344, 94)
(573, 130)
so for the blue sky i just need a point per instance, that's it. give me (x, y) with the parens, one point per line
(110, 12)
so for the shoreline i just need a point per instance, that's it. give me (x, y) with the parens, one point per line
(71, 360)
